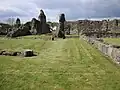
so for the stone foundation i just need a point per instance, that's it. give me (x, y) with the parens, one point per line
(25, 53)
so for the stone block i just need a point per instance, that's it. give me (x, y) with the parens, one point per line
(28, 53)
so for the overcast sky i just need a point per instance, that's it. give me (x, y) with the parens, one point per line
(73, 9)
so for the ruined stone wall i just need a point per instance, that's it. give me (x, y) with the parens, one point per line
(86, 26)
(104, 26)
(114, 25)
(73, 26)
(90, 27)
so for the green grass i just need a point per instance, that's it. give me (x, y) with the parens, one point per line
(114, 41)
(69, 64)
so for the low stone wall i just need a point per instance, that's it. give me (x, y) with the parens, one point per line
(109, 50)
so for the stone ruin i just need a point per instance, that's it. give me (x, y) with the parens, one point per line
(40, 26)
(45, 28)
(33, 27)
(67, 29)
(104, 28)
(61, 31)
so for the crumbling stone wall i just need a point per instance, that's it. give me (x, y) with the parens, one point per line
(40, 26)
(67, 28)
(114, 25)
(35, 27)
(88, 27)
(73, 26)
(104, 28)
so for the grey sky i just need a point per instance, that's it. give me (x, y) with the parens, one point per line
(73, 9)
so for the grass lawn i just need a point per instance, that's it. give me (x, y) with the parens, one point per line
(115, 41)
(69, 64)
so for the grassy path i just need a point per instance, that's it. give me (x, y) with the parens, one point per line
(69, 64)
(114, 41)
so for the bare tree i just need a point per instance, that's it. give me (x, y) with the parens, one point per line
(11, 21)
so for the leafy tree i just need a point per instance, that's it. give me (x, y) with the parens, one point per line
(18, 22)
(52, 24)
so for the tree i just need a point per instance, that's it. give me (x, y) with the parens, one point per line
(52, 24)
(18, 22)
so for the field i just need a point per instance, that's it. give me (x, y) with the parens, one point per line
(114, 41)
(70, 64)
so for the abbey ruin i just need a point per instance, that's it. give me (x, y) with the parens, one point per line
(104, 28)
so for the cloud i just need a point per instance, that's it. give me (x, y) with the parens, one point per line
(73, 9)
